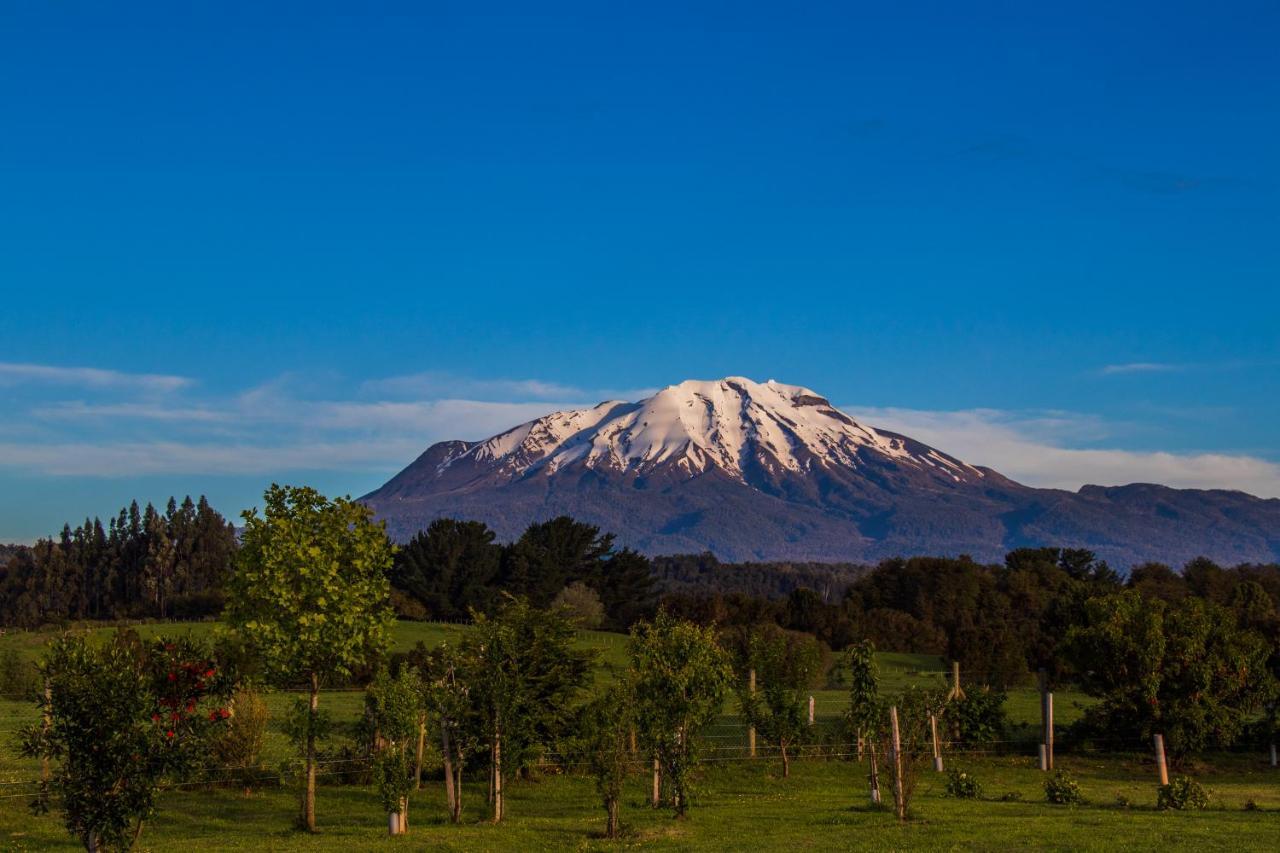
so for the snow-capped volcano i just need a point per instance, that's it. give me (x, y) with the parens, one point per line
(734, 425)
(755, 470)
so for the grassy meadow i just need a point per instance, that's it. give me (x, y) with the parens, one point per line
(739, 805)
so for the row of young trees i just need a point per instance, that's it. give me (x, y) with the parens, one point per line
(142, 563)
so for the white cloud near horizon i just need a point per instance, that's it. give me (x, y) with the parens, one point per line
(290, 424)
(1035, 449)
(14, 373)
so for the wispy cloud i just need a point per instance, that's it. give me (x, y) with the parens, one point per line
(272, 428)
(1037, 449)
(1141, 367)
(14, 373)
(436, 385)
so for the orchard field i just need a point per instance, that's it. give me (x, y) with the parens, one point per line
(740, 803)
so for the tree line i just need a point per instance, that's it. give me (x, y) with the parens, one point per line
(142, 563)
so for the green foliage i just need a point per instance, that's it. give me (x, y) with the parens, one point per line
(395, 705)
(1063, 790)
(582, 604)
(1182, 793)
(142, 562)
(122, 718)
(450, 567)
(786, 664)
(679, 676)
(19, 679)
(237, 749)
(524, 673)
(310, 589)
(603, 744)
(979, 718)
(866, 712)
(300, 726)
(962, 785)
(1185, 670)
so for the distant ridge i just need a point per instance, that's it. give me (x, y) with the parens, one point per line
(765, 471)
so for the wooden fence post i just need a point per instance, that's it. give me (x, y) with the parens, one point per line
(811, 710)
(751, 729)
(1048, 730)
(933, 736)
(957, 692)
(1161, 767)
(899, 801)
(657, 784)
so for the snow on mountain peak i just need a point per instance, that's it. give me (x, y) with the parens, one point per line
(734, 425)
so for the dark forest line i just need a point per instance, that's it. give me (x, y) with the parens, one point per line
(1002, 621)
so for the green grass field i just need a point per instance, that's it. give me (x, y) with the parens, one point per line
(740, 804)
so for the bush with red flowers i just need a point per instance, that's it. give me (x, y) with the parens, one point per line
(123, 720)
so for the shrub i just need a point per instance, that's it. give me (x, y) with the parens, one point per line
(1061, 789)
(1181, 793)
(408, 607)
(962, 786)
(237, 749)
(583, 604)
(18, 678)
(977, 718)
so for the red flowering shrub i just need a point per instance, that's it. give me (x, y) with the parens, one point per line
(124, 719)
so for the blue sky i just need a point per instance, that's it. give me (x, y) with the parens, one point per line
(302, 243)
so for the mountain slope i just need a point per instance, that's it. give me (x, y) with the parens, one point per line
(770, 471)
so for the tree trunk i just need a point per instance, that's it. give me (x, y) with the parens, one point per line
(875, 773)
(786, 762)
(657, 784)
(309, 797)
(137, 833)
(450, 795)
(611, 806)
(497, 775)
(91, 842)
(417, 758)
(457, 790)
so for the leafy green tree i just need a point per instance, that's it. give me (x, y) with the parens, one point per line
(310, 596)
(866, 711)
(395, 703)
(450, 568)
(524, 674)
(679, 675)
(865, 708)
(122, 719)
(550, 555)
(446, 685)
(604, 744)
(582, 603)
(786, 664)
(1184, 670)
